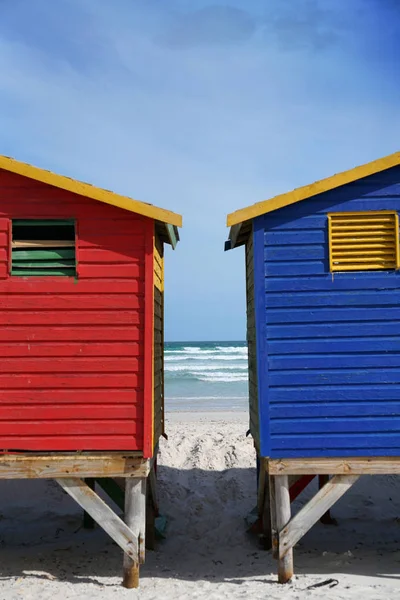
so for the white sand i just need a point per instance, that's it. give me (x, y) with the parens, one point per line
(207, 486)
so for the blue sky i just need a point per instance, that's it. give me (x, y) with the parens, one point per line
(200, 107)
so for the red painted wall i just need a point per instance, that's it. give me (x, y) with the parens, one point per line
(72, 353)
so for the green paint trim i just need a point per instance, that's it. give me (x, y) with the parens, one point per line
(173, 235)
(44, 222)
(16, 272)
(43, 254)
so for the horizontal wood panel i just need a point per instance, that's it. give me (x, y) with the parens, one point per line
(69, 412)
(333, 299)
(46, 285)
(360, 424)
(62, 349)
(345, 361)
(304, 252)
(384, 280)
(84, 333)
(365, 329)
(296, 268)
(80, 364)
(107, 271)
(360, 441)
(80, 395)
(340, 453)
(339, 315)
(75, 381)
(72, 317)
(329, 346)
(329, 466)
(335, 393)
(110, 240)
(70, 427)
(280, 238)
(331, 377)
(72, 443)
(323, 410)
(110, 256)
(70, 301)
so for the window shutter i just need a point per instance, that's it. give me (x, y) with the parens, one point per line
(43, 248)
(363, 241)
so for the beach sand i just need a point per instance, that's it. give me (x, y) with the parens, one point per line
(207, 485)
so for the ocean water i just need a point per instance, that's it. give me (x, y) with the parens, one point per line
(205, 376)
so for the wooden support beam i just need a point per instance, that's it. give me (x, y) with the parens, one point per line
(121, 533)
(274, 526)
(263, 504)
(282, 508)
(54, 466)
(88, 522)
(335, 466)
(293, 530)
(135, 518)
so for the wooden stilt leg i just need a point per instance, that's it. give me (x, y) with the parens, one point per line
(263, 503)
(88, 521)
(326, 519)
(274, 527)
(282, 507)
(151, 510)
(135, 518)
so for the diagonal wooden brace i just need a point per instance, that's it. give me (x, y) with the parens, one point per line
(103, 515)
(313, 511)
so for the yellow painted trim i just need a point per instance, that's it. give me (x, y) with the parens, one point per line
(307, 191)
(362, 253)
(90, 191)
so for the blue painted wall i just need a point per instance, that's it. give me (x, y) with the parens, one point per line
(328, 345)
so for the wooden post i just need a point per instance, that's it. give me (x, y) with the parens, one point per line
(274, 526)
(88, 521)
(282, 507)
(135, 518)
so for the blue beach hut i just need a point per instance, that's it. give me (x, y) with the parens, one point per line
(323, 330)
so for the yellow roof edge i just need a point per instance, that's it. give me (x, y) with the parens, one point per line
(307, 191)
(90, 191)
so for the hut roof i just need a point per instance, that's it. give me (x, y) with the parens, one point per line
(239, 221)
(169, 221)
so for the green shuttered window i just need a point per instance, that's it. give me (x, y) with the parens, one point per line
(43, 248)
(364, 241)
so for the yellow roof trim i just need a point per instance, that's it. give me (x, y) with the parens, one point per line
(90, 191)
(307, 191)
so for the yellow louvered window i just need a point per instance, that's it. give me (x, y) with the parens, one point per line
(363, 241)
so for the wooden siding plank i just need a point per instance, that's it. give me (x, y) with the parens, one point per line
(61, 349)
(118, 396)
(332, 298)
(324, 410)
(341, 377)
(65, 427)
(385, 280)
(80, 364)
(81, 381)
(331, 345)
(321, 442)
(336, 393)
(364, 329)
(71, 301)
(36, 412)
(71, 443)
(72, 318)
(343, 361)
(86, 333)
(340, 314)
(336, 425)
